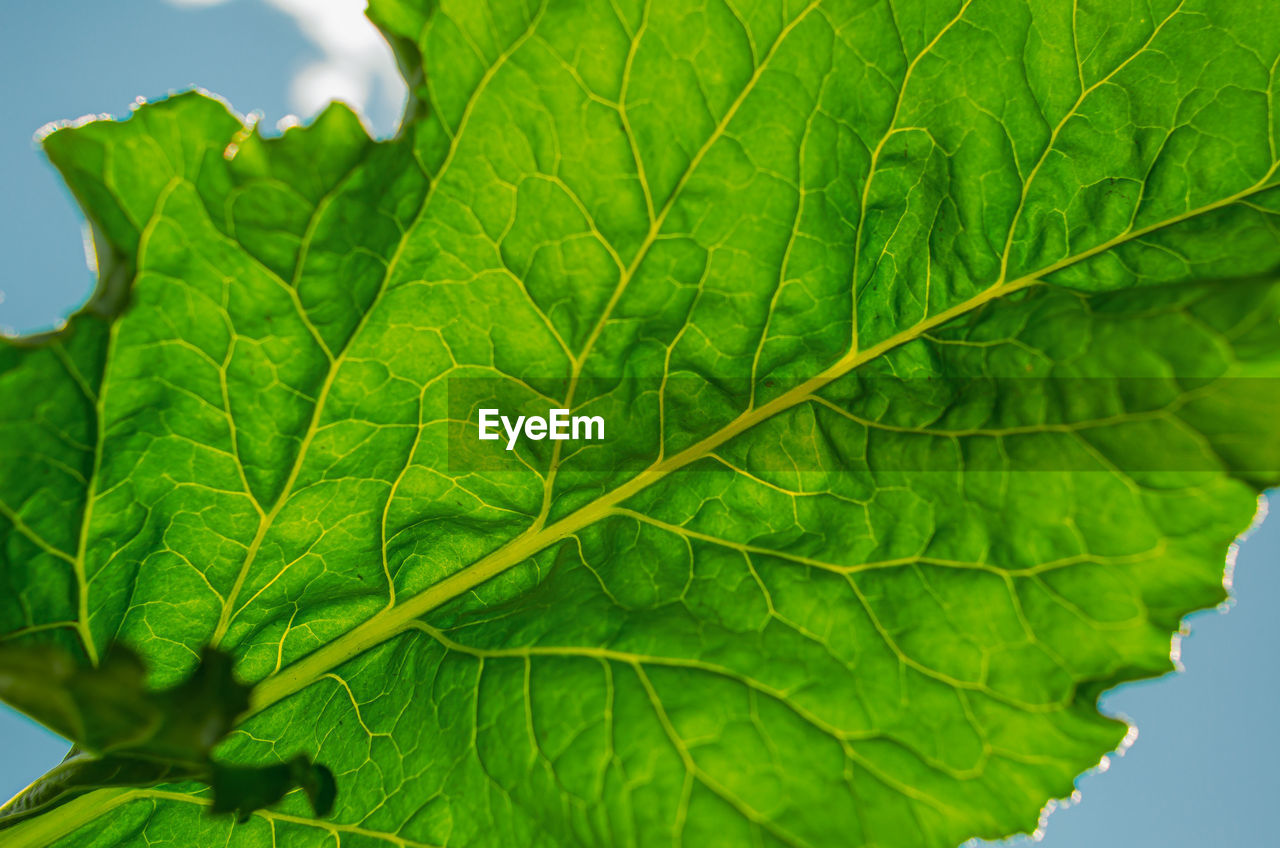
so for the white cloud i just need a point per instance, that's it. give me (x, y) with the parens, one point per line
(356, 64)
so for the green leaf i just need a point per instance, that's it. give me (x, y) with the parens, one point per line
(128, 736)
(938, 345)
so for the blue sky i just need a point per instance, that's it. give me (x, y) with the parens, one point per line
(1202, 772)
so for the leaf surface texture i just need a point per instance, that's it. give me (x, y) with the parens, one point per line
(775, 236)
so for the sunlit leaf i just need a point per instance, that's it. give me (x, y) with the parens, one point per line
(937, 344)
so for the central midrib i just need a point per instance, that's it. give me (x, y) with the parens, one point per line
(395, 620)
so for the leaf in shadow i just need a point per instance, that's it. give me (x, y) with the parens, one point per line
(128, 735)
